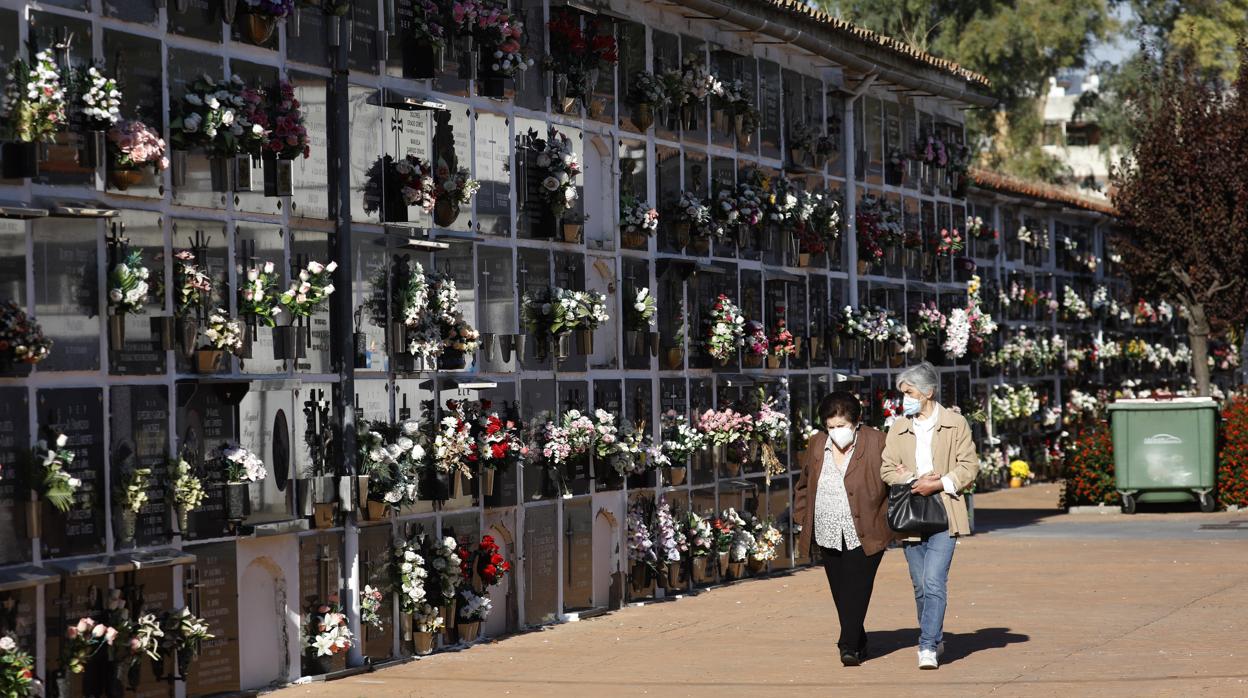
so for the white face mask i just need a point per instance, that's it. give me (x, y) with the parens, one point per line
(842, 436)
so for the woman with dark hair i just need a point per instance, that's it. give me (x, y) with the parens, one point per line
(840, 502)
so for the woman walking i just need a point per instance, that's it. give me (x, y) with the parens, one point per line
(840, 503)
(930, 447)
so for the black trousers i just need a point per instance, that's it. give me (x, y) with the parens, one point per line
(851, 576)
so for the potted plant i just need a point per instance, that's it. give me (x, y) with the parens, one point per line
(648, 96)
(132, 144)
(726, 330)
(638, 221)
(287, 141)
(327, 635)
(260, 18)
(187, 492)
(740, 544)
(131, 498)
(306, 295)
(32, 112)
(242, 468)
(391, 186)
(454, 190)
(1020, 472)
(21, 338)
(96, 106)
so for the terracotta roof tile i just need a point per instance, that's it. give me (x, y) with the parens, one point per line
(1006, 184)
(817, 16)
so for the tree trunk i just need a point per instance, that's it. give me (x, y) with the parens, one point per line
(1198, 338)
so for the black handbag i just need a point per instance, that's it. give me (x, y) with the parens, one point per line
(915, 513)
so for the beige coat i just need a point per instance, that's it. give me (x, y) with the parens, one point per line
(953, 454)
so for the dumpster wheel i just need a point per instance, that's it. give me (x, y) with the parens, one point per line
(1207, 504)
(1128, 503)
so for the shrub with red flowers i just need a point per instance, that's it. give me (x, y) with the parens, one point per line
(1089, 468)
(1233, 453)
(288, 137)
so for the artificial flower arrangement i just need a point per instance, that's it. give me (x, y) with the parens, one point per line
(498, 441)
(242, 467)
(641, 549)
(622, 447)
(801, 141)
(142, 637)
(499, 33)
(370, 606)
(1031, 238)
(929, 321)
(580, 54)
(639, 316)
(1074, 305)
(409, 577)
(693, 212)
(17, 669)
(457, 188)
(133, 496)
(557, 311)
(930, 150)
(442, 568)
(21, 339)
(781, 340)
(309, 293)
(258, 297)
(647, 93)
(976, 228)
(637, 216)
(771, 426)
(408, 179)
(222, 117)
(669, 537)
(878, 222)
(951, 242)
(727, 328)
(693, 83)
(767, 541)
(818, 216)
(485, 561)
(96, 98)
(223, 334)
(747, 202)
(756, 342)
(680, 439)
(1008, 402)
(55, 484)
(725, 427)
(184, 632)
(558, 167)
(33, 108)
(127, 285)
(193, 284)
(778, 196)
(187, 490)
(736, 96)
(392, 458)
(132, 144)
(456, 334)
(288, 138)
(453, 448)
(698, 534)
(741, 540)
(569, 439)
(82, 640)
(327, 631)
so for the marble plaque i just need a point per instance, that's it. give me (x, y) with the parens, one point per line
(213, 595)
(14, 498)
(578, 550)
(139, 423)
(79, 414)
(541, 564)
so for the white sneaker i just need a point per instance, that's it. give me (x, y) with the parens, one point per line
(927, 659)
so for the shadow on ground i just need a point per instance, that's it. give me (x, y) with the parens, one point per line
(957, 645)
(989, 520)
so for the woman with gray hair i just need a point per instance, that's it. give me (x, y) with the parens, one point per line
(930, 447)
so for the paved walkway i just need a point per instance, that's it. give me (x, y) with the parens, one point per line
(1042, 604)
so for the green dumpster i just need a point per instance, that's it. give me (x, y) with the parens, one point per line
(1164, 450)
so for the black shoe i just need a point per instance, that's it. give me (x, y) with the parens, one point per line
(850, 658)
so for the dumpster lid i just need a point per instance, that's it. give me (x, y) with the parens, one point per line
(1162, 403)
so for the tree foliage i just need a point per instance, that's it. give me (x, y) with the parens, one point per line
(1018, 45)
(1183, 192)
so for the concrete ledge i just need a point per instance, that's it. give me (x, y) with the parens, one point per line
(1102, 509)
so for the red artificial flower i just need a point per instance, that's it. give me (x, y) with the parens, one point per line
(496, 559)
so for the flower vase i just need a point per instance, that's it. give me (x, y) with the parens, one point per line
(448, 614)
(699, 245)
(487, 481)
(124, 179)
(469, 631)
(675, 475)
(258, 28)
(798, 156)
(63, 685)
(632, 238)
(445, 212)
(572, 231)
(643, 116)
(699, 570)
(163, 328)
(732, 466)
(279, 175)
(209, 361)
(639, 578)
(248, 334)
(457, 484)
(237, 499)
(756, 566)
(1016, 482)
(673, 575)
(377, 511)
(564, 348)
(675, 359)
(562, 101)
(736, 570)
(743, 236)
(774, 361)
(803, 259)
(117, 331)
(680, 232)
(290, 342)
(752, 360)
(635, 343)
(324, 514)
(689, 117)
(452, 360)
(745, 137)
(722, 566)
(584, 342)
(423, 642)
(19, 160)
(316, 665)
(421, 60)
(221, 174)
(184, 520)
(186, 329)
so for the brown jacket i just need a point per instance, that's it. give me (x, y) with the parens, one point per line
(953, 454)
(868, 495)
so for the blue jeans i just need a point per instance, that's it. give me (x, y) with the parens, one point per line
(929, 562)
